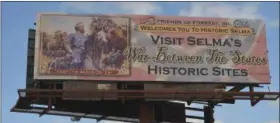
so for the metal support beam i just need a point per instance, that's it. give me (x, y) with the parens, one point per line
(146, 113)
(195, 117)
(193, 109)
(49, 104)
(234, 89)
(189, 102)
(254, 101)
(48, 109)
(101, 118)
(257, 100)
(209, 113)
(251, 89)
(237, 88)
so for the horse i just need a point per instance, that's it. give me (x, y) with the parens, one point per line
(117, 41)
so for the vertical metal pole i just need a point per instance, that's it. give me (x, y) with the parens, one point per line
(146, 113)
(206, 115)
(209, 113)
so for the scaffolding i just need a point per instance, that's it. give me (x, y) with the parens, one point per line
(28, 98)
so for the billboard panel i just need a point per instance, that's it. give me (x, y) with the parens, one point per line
(88, 86)
(151, 48)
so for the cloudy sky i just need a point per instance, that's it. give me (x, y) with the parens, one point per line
(18, 17)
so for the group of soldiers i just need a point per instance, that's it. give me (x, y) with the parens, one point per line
(103, 45)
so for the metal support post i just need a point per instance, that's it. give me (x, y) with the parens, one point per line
(209, 113)
(146, 113)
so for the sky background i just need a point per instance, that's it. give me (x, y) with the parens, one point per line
(18, 17)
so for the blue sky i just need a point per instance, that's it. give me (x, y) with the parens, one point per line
(18, 17)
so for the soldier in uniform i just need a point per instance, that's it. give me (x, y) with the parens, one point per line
(75, 46)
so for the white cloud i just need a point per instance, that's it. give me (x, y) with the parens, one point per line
(79, 6)
(140, 7)
(274, 23)
(226, 10)
(112, 7)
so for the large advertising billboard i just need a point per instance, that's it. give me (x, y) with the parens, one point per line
(150, 48)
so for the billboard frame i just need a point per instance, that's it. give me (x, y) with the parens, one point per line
(31, 96)
(181, 82)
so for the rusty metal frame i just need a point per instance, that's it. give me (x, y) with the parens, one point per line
(53, 111)
(47, 109)
(43, 93)
(71, 115)
(207, 96)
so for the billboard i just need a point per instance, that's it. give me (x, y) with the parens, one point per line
(151, 48)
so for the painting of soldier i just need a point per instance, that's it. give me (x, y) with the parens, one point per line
(83, 44)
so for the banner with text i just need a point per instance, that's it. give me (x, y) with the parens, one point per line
(151, 48)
